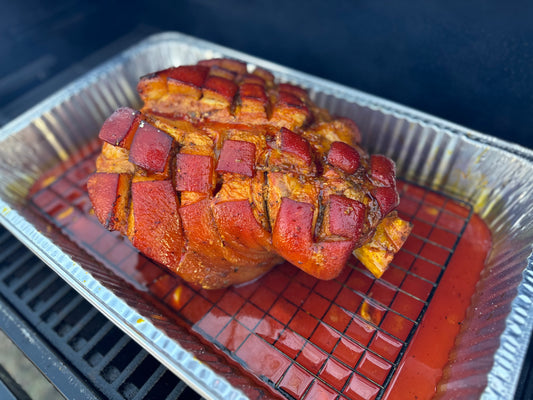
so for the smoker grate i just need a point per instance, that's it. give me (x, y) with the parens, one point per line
(299, 335)
(109, 360)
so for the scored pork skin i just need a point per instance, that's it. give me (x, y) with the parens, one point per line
(224, 173)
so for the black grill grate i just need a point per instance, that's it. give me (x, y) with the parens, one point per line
(107, 359)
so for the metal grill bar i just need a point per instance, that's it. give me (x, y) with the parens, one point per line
(121, 344)
(78, 326)
(39, 303)
(91, 348)
(42, 284)
(119, 382)
(57, 313)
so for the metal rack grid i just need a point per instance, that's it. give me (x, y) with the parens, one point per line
(336, 338)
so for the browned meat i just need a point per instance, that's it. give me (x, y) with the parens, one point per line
(224, 173)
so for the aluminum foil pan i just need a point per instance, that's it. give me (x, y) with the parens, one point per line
(495, 177)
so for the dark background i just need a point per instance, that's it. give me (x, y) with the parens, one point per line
(466, 61)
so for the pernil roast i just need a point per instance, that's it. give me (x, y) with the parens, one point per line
(225, 173)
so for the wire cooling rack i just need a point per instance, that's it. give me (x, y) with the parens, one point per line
(303, 337)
